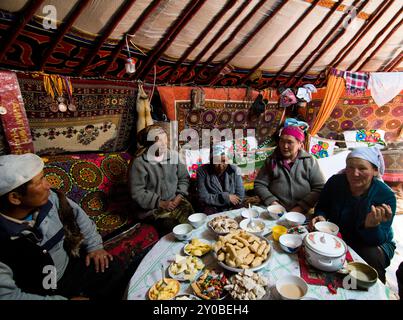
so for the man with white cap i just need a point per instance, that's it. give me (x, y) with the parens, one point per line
(363, 206)
(219, 183)
(49, 248)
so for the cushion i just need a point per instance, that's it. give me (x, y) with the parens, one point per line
(98, 183)
(321, 148)
(364, 138)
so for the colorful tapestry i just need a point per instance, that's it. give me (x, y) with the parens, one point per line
(224, 108)
(97, 182)
(13, 115)
(102, 122)
(353, 113)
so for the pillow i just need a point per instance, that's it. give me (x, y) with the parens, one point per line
(364, 138)
(194, 159)
(321, 148)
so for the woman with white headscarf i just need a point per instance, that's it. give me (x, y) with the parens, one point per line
(362, 206)
(219, 183)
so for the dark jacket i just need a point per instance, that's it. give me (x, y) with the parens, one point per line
(337, 204)
(210, 190)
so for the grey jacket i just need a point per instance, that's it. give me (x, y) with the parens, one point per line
(50, 225)
(300, 186)
(210, 190)
(151, 182)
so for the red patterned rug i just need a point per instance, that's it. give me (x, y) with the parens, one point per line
(98, 183)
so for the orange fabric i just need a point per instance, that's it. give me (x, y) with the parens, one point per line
(334, 90)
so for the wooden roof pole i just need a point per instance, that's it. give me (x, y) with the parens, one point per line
(133, 29)
(294, 81)
(280, 41)
(63, 29)
(112, 23)
(244, 21)
(248, 38)
(226, 25)
(199, 39)
(23, 18)
(357, 37)
(393, 63)
(185, 16)
(395, 28)
(306, 42)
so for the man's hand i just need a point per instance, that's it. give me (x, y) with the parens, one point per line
(234, 199)
(377, 215)
(314, 220)
(101, 259)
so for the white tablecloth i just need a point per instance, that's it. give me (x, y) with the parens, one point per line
(280, 264)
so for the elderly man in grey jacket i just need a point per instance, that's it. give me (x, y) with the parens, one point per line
(290, 177)
(158, 182)
(49, 248)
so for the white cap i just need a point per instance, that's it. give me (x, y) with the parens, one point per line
(16, 169)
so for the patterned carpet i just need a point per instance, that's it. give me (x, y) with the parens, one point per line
(98, 183)
(103, 120)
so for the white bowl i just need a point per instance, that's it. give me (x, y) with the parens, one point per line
(294, 218)
(327, 227)
(183, 231)
(290, 243)
(197, 219)
(291, 287)
(276, 211)
(259, 225)
(249, 213)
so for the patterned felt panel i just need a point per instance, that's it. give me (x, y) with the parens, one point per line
(353, 113)
(103, 120)
(229, 114)
(97, 182)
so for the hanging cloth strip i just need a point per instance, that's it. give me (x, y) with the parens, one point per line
(13, 117)
(356, 82)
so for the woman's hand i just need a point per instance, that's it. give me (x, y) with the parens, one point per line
(178, 199)
(377, 215)
(101, 259)
(314, 220)
(234, 199)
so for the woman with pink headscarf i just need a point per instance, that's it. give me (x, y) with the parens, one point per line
(290, 177)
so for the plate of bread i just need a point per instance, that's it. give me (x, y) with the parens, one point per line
(240, 250)
(164, 289)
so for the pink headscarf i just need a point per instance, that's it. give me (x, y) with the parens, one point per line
(294, 131)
